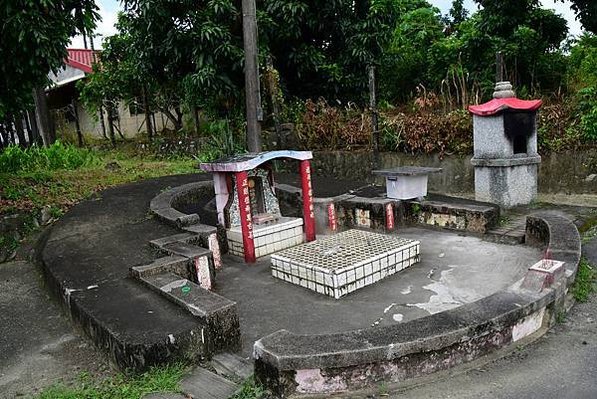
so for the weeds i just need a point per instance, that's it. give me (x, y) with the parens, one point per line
(249, 390)
(585, 283)
(157, 379)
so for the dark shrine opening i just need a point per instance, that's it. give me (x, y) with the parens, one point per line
(519, 127)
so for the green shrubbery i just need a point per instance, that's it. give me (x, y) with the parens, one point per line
(220, 139)
(15, 159)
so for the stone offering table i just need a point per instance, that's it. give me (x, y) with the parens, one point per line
(248, 208)
(406, 182)
(340, 264)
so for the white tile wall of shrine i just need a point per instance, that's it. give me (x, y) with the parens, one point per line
(340, 264)
(286, 232)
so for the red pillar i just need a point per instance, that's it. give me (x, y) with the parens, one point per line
(246, 220)
(308, 212)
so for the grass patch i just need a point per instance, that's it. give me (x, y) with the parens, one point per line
(588, 230)
(157, 379)
(250, 390)
(15, 159)
(31, 188)
(585, 283)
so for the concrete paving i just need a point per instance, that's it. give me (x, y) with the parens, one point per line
(560, 365)
(38, 346)
(454, 270)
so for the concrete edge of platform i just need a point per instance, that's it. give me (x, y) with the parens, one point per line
(164, 204)
(139, 354)
(291, 364)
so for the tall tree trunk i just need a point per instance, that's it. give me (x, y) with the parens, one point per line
(176, 121)
(18, 122)
(272, 88)
(109, 111)
(10, 130)
(196, 119)
(28, 128)
(42, 116)
(148, 123)
(3, 137)
(75, 105)
(102, 122)
(34, 129)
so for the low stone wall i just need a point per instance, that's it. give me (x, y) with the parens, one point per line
(348, 211)
(565, 172)
(291, 364)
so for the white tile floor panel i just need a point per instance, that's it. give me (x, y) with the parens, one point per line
(342, 263)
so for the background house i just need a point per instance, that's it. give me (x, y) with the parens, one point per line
(67, 110)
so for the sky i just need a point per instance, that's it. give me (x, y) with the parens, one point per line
(108, 9)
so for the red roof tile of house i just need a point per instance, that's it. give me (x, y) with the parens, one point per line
(82, 59)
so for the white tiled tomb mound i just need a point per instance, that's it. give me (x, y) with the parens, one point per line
(339, 264)
(268, 238)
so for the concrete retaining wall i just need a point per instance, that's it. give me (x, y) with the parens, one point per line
(291, 364)
(566, 172)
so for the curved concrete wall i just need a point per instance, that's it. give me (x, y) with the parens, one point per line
(332, 363)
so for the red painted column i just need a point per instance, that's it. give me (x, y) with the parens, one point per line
(307, 189)
(390, 216)
(332, 222)
(246, 220)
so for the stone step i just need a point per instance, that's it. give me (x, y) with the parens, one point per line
(512, 233)
(232, 366)
(218, 314)
(203, 384)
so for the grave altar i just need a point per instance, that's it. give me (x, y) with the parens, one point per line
(248, 208)
(339, 264)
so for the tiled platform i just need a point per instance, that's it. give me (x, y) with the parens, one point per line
(269, 238)
(342, 263)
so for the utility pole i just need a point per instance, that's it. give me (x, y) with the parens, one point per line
(252, 94)
(374, 115)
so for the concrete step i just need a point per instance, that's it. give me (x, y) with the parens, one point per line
(203, 384)
(512, 232)
(232, 366)
(218, 314)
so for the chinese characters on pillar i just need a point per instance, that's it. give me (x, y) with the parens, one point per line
(390, 216)
(310, 192)
(333, 224)
(247, 207)
(246, 220)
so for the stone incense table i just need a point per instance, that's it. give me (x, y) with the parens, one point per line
(406, 182)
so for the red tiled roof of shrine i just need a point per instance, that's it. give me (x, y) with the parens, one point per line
(498, 105)
(81, 59)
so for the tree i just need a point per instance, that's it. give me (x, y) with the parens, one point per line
(586, 12)
(407, 57)
(35, 35)
(458, 13)
(324, 48)
(182, 54)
